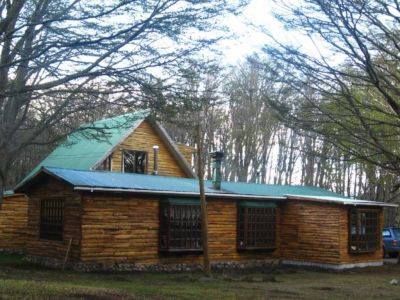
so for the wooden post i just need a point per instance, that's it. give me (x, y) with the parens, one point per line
(203, 203)
(67, 253)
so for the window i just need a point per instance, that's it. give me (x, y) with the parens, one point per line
(386, 233)
(134, 161)
(52, 219)
(180, 225)
(364, 231)
(105, 165)
(256, 227)
(396, 232)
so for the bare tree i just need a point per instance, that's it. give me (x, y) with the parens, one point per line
(252, 124)
(53, 54)
(354, 104)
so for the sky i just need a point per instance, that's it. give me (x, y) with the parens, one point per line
(247, 28)
(249, 37)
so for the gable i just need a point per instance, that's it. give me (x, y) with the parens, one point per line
(86, 148)
(143, 138)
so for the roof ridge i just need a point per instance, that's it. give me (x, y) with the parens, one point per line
(143, 113)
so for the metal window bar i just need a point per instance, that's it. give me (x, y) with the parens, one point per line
(180, 228)
(364, 231)
(51, 219)
(256, 228)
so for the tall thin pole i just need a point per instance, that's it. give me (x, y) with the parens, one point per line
(203, 203)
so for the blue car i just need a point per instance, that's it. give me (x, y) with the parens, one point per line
(391, 241)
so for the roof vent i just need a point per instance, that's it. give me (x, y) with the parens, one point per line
(217, 158)
(155, 161)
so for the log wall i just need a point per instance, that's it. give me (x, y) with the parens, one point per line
(315, 232)
(13, 221)
(109, 228)
(143, 139)
(51, 188)
(125, 229)
(310, 232)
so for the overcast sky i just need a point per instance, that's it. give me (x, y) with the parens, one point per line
(248, 38)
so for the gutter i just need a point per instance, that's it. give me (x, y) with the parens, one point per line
(171, 193)
(342, 202)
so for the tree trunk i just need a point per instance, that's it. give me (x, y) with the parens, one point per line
(203, 203)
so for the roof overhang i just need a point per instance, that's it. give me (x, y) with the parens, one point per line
(42, 171)
(338, 200)
(175, 193)
(218, 194)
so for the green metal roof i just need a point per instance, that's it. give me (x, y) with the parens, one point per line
(273, 190)
(85, 180)
(132, 181)
(91, 143)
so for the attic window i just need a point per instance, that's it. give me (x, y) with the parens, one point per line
(105, 165)
(256, 226)
(364, 230)
(134, 161)
(180, 225)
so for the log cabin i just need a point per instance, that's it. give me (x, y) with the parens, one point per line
(129, 197)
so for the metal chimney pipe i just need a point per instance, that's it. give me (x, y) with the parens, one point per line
(217, 158)
(155, 165)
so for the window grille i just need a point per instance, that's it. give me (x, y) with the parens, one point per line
(180, 227)
(364, 230)
(134, 161)
(52, 219)
(256, 227)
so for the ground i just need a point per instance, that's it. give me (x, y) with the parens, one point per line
(19, 279)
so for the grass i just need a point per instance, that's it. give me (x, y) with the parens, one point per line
(19, 279)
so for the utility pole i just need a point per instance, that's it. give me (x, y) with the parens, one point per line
(203, 203)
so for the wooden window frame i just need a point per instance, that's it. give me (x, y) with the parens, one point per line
(138, 151)
(104, 163)
(369, 241)
(54, 234)
(182, 236)
(252, 222)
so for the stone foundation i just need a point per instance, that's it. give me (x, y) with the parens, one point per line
(336, 267)
(132, 267)
(12, 251)
(260, 265)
